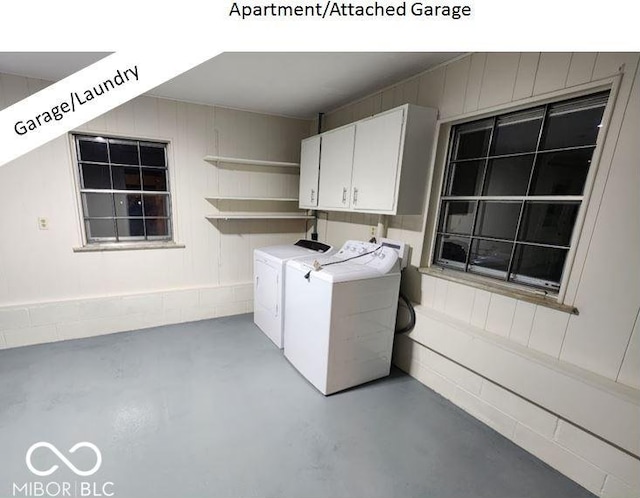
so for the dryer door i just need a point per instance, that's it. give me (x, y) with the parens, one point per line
(267, 305)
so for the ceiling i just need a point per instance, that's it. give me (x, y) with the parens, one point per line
(298, 84)
(49, 66)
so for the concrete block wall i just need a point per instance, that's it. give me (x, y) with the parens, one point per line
(593, 463)
(74, 319)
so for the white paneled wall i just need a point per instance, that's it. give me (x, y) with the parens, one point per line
(595, 464)
(631, 365)
(49, 292)
(608, 292)
(522, 323)
(526, 75)
(500, 314)
(603, 341)
(499, 79)
(540, 328)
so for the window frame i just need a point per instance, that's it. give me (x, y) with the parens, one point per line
(438, 177)
(102, 244)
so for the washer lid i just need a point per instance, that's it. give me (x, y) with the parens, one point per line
(346, 273)
(383, 261)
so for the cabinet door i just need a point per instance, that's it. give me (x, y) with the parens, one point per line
(375, 162)
(336, 159)
(309, 170)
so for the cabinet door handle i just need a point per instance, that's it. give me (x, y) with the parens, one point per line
(355, 195)
(344, 195)
(313, 195)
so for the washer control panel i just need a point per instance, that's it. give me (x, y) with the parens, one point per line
(380, 257)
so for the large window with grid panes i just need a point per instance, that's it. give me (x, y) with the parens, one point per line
(124, 189)
(513, 189)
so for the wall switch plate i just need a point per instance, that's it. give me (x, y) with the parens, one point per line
(43, 223)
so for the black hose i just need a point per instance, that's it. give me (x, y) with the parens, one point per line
(412, 312)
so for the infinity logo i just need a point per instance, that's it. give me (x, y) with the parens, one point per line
(53, 468)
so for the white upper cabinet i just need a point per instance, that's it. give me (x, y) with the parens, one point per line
(309, 172)
(376, 160)
(336, 163)
(376, 165)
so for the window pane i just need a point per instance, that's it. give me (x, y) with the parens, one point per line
(452, 249)
(130, 227)
(98, 205)
(126, 178)
(488, 256)
(157, 227)
(457, 217)
(128, 205)
(517, 132)
(152, 155)
(115, 210)
(96, 176)
(540, 263)
(508, 176)
(154, 179)
(572, 124)
(465, 178)
(473, 140)
(561, 173)
(93, 151)
(124, 153)
(548, 223)
(155, 205)
(498, 220)
(100, 229)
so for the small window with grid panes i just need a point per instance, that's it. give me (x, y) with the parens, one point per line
(513, 187)
(124, 189)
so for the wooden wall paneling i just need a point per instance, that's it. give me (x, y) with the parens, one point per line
(499, 79)
(526, 75)
(474, 82)
(552, 72)
(581, 68)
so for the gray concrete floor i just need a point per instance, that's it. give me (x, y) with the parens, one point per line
(213, 409)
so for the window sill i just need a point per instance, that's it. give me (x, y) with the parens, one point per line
(479, 282)
(128, 246)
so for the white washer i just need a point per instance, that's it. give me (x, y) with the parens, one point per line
(340, 319)
(268, 283)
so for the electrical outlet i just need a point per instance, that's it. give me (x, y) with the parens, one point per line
(373, 231)
(43, 223)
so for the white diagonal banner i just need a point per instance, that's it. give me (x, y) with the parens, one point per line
(87, 94)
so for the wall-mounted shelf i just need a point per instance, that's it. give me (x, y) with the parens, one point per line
(239, 198)
(290, 170)
(236, 162)
(259, 216)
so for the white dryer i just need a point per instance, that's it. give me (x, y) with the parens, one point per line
(341, 314)
(269, 285)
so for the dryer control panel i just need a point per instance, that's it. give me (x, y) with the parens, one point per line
(313, 245)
